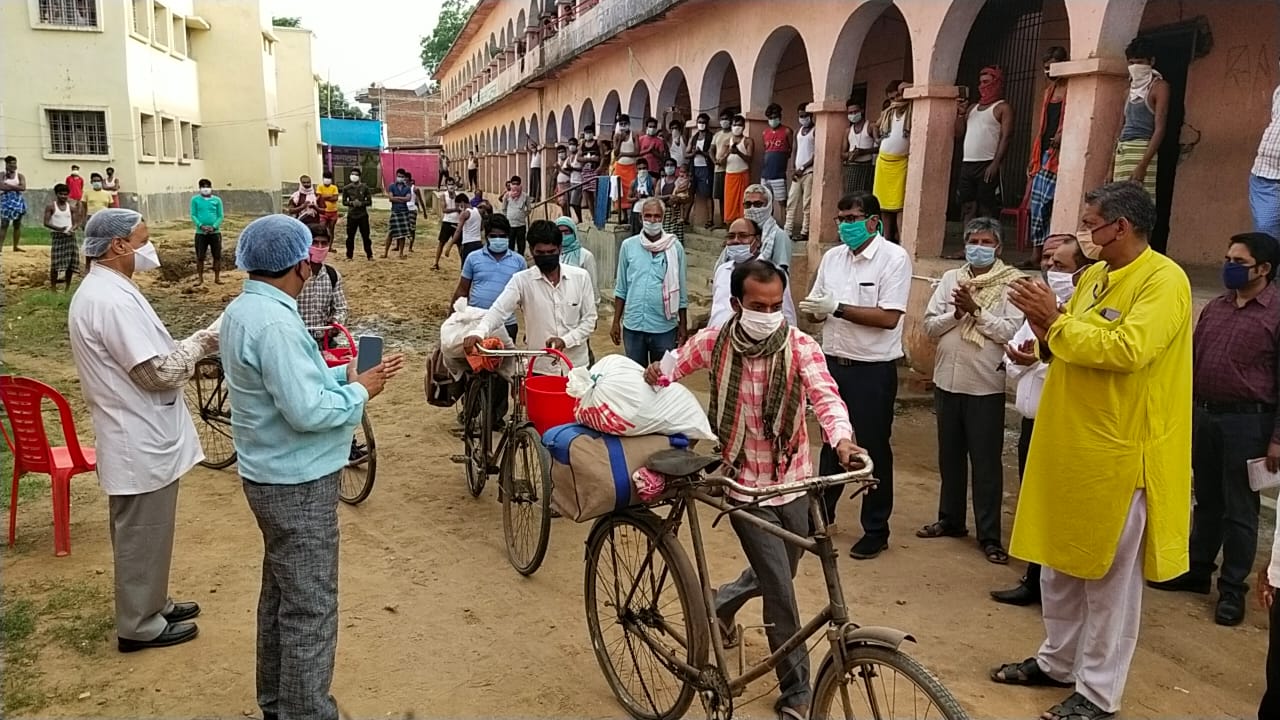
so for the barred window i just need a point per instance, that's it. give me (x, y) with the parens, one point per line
(78, 132)
(69, 13)
(195, 142)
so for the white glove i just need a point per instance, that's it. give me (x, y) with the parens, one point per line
(217, 324)
(208, 341)
(819, 305)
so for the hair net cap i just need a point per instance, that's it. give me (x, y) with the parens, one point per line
(105, 226)
(272, 243)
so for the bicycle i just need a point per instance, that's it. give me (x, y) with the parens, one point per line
(654, 645)
(524, 487)
(210, 406)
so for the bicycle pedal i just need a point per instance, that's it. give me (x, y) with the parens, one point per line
(458, 459)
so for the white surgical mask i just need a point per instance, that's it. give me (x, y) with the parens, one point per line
(855, 117)
(326, 182)
(1061, 283)
(702, 126)
(806, 121)
(652, 229)
(353, 177)
(1139, 72)
(146, 258)
(760, 325)
(738, 130)
(206, 191)
(724, 124)
(739, 253)
(96, 185)
(589, 136)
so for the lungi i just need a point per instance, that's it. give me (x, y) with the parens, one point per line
(401, 225)
(1128, 154)
(12, 205)
(602, 200)
(890, 186)
(735, 187)
(63, 255)
(1040, 208)
(626, 176)
(858, 177)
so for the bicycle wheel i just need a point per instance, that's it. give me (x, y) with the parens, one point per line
(526, 500)
(356, 481)
(641, 592)
(475, 412)
(211, 410)
(882, 682)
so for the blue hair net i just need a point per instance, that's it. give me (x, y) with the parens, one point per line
(105, 226)
(272, 243)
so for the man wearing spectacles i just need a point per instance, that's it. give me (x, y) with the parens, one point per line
(742, 244)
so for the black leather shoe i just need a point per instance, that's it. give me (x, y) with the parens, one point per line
(1021, 595)
(868, 547)
(174, 634)
(1230, 609)
(1185, 582)
(182, 611)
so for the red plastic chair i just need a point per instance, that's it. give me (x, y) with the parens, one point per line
(1021, 218)
(23, 398)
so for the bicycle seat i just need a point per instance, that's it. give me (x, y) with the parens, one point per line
(679, 463)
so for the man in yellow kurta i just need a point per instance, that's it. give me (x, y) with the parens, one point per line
(1107, 492)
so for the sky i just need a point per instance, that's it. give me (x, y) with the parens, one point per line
(359, 43)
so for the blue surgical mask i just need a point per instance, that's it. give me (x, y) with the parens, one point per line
(1234, 276)
(979, 256)
(739, 253)
(854, 234)
(775, 122)
(499, 245)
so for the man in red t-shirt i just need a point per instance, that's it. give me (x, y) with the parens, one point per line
(75, 183)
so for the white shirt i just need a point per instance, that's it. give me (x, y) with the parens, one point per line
(721, 310)
(566, 311)
(879, 276)
(1030, 378)
(960, 366)
(535, 159)
(805, 143)
(413, 199)
(145, 440)
(451, 208)
(1273, 569)
(676, 151)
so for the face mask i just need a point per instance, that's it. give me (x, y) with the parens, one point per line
(305, 188)
(806, 121)
(499, 245)
(1139, 73)
(353, 177)
(1061, 283)
(75, 173)
(317, 253)
(775, 122)
(643, 175)
(546, 263)
(724, 124)
(758, 215)
(326, 182)
(146, 258)
(855, 117)
(623, 127)
(739, 253)
(1234, 276)
(669, 171)
(653, 229)
(760, 325)
(979, 256)
(702, 126)
(206, 191)
(562, 155)
(651, 131)
(1091, 249)
(589, 136)
(97, 185)
(738, 130)
(854, 234)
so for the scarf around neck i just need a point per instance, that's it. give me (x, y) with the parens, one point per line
(783, 408)
(987, 288)
(1139, 89)
(571, 248)
(666, 244)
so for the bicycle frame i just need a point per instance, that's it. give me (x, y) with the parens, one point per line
(517, 420)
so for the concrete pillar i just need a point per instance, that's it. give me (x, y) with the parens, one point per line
(924, 217)
(831, 125)
(1090, 128)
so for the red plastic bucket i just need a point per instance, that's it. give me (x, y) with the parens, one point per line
(546, 400)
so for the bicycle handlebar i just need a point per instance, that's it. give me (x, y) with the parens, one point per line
(862, 474)
(518, 353)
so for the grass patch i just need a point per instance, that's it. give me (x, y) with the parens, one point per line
(84, 633)
(22, 690)
(31, 234)
(35, 322)
(75, 616)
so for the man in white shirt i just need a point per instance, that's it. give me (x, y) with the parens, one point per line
(132, 374)
(558, 302)
(859, 294)
(742, 243)
(801, 192)
(1062, 262)
(972, 319)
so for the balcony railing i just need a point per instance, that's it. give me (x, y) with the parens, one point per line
(590, 27)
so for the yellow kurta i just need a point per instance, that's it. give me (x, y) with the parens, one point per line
(1115, 416)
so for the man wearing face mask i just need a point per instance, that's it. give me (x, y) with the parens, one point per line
(96, 197)
(1146, 114)
(742, 243)
(322, 301)
(859, 294)
(972, 319)
(75, 184)
(644, 186)
(292, 421)
(719, 154)
(775, 243)
(1236, 349)
(777, 140)
(801, 194)
(357, 199)
(737, 159)
(701, 149)
(327, 199)
(762, 371)
(1119, 388)
(557, 300)
(626, 151)
(206, 216)
(132, 374)
(303, 204)
(653, 147)
(1063, 263)
(860, 146)
(650, 293)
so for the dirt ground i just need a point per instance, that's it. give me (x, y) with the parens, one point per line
(432, 618)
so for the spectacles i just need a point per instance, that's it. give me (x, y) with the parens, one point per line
(851, 217)
(740, 236)
(754, 204)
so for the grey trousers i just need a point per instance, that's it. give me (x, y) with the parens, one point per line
(142, 545)
(971, 434)
(770, 576)
(298, 605)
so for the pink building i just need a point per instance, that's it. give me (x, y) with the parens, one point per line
(543, 69)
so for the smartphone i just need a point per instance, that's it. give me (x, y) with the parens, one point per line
(964, 92)
(368, 352)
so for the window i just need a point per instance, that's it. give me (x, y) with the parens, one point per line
(179, 37)
(195, 142)
(141, 17)
(273, 138)
(160, 26)
(148, 135)
(169, 137)
(185, 129)
(77, 132)
(69, 13)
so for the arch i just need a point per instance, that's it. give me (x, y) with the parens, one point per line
(638, 106)
(506, 139)
(609, 113)
(783, 55)
(514, 145)
(720, 89)
(566, 124)
(953, 32)
(511, 33)
(553, 131)
(549, 6)
(493, 45)
(587, 115)
(535, 130)
(844, 58)
(674, 93)
(502, 40)
(520, 30)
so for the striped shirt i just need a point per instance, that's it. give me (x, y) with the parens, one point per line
(1267, 164)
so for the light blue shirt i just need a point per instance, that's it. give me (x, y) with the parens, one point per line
(489, 276)
(291, 416)
(639, 285)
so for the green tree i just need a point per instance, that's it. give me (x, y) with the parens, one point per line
(292, 22)
(453, 16)
(334, 103)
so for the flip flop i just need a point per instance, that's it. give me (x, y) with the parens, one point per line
(1076, 707)
(996, 555)
(937, 530)
(1026, 673)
